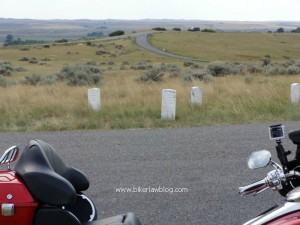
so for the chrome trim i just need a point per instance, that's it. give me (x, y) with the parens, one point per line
(7, 209)
(288, 207)
(254, 187)
(10, 155)
(293, 195)
(92, 216)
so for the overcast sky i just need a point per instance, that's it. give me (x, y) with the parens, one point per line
(240, 10)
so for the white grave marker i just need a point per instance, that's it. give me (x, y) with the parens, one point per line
(295, 93)
(196, 96)
(94, 98)
(168, 104)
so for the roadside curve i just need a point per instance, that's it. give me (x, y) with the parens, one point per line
(142, 40)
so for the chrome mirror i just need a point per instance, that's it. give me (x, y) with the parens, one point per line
(259, 159)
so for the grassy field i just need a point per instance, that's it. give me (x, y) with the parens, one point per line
(127, 103)
(245, 47)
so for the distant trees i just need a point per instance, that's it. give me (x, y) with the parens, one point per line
(208, 30)
(117, 33)
(9, 39)
(296, 30)
(159, 29)
(95, 34)
(280, 30)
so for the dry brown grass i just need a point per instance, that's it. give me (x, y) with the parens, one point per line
(230, 46)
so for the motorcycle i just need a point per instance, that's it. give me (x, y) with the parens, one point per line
(285, 179)
(43, 190)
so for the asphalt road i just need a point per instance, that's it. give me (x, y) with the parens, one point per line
(142, 41)
(209, 161)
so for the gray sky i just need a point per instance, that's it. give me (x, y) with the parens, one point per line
(240, 10)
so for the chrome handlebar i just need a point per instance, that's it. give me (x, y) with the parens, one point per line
(255, 188)
(273, 180)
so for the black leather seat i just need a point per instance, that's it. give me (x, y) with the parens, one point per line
(295, 137)
(52, 182)
(47, 177)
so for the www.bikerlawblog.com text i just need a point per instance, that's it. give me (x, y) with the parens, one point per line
(159, 189)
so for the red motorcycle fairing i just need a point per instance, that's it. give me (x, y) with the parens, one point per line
(290, 219)
(17, 205)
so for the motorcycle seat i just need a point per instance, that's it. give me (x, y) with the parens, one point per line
(124, 219)
(47, 177)
(295, 137)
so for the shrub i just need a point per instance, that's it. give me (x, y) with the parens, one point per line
(48, 80)
(208, 30)
(173, 69)
(192, 64)
(176, 29)
(188, 63)
(6, 68)
(81, 74)
(61, 41)
(46, 59)
(24, 59)
(254, 69)
(159, 29)
(154, 74)
(100, 52)
(221, 68)
(283, 69)
(91, 63)
(19, 69)
(201, 74)
(24, 49)
(266, 61)
(5, 82)
(141, 66)
(248, 79)
(34, 79)
(117, 33)
(33, 60)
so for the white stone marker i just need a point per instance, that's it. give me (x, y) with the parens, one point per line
(295, 93)
(94, 99)
(168, 104)
(196, 96)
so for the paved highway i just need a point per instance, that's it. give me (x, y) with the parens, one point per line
(142, 41)
(208, 161)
